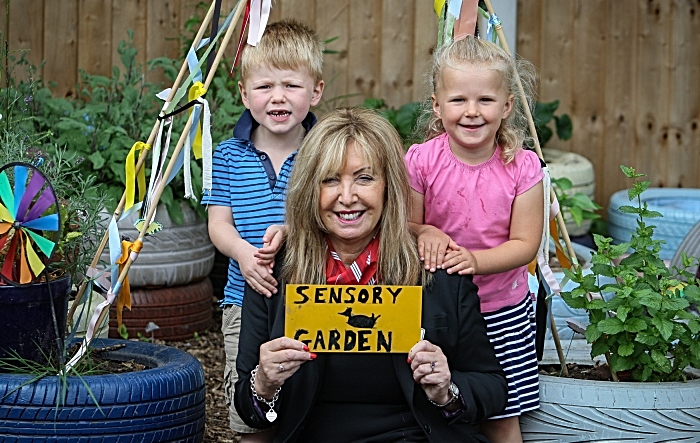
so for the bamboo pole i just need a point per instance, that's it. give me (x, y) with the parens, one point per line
(538, 150)
(176, 152)
(139, 164)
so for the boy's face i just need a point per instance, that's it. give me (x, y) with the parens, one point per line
(279, 99)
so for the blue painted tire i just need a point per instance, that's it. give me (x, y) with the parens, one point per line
(162, 404)
(680, 207)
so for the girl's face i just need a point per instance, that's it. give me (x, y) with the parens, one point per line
(471, 101)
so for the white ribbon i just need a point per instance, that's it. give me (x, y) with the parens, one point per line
(259, 14)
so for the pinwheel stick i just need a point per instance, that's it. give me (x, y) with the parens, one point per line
(139, 164)
(176, 152)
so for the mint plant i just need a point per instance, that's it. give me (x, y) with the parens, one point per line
(645, 326)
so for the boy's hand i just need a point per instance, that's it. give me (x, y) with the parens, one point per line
(460, 260)
(272, 242)
(432, 247)
(257, 276)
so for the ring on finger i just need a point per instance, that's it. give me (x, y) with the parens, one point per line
(432, 366)
(281, 368)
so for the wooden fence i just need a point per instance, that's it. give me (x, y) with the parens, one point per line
(626, 71)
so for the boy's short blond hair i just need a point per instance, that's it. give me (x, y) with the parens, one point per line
(286, 44)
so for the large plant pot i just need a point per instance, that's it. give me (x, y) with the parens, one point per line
(26, 320)
(579, 170)
(177, 255)
(162, 404)
(603, 411)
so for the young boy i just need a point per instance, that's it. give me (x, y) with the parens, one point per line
(280, 81)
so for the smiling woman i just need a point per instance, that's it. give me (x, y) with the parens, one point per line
(347, 212)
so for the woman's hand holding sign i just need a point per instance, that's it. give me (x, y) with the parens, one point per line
(279, 359)
(431, 371)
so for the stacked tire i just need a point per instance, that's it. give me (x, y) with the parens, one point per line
(169, 280)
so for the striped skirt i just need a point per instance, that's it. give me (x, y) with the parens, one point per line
(511, 331)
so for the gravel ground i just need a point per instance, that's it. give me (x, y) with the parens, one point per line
(208, 348)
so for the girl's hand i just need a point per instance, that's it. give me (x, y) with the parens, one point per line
(432, 247)
(279, 359)
(272, 242)
(460, 260)
(430, 370)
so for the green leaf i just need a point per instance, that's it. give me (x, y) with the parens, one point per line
(97, 160)
(592, 333)
(662, 362)
(664, 326)
(610, 326)
(564, 126)
(625, 349)
(674, 304)
(635, 325)
(646, 339)
(600, 347)
(694, 325)
(625, 209)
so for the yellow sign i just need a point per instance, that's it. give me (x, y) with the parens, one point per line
(338, 318)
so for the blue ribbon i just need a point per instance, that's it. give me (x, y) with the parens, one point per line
(493, 22)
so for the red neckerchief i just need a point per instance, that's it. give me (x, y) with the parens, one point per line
(363, 271)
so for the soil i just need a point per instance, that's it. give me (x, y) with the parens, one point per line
(581, 372)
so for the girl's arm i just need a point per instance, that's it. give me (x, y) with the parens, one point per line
(432, 242)
(522, 245)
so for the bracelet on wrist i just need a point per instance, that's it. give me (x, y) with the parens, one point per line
(454, 394)
(271, 415)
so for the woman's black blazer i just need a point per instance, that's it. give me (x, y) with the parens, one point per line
(451, 320)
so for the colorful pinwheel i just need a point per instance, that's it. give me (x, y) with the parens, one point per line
(29, 223)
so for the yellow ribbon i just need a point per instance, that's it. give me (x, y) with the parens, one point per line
(197, 90)
(437, 6)
(131, 172)
(124, 296)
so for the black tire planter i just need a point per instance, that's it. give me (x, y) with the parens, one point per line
(162, 404)
(680, 207)
(179, 311)
(604, 411)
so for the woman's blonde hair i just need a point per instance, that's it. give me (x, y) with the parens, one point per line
(513, 132)
(322, 155)
(286, 44)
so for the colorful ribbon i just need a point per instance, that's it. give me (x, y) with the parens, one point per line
(132, 176)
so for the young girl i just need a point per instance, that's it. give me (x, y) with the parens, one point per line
(477, 204)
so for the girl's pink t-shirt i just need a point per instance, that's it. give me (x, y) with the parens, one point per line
(472, 204)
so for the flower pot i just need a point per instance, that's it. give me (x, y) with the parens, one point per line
(26, 320)
(579, 170)
(165, 403)
(574, 410)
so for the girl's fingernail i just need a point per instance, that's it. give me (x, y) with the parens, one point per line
(408, 360)
(306, 348)
(312, 355)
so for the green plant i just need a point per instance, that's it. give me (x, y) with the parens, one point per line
(404, 119)
(580, 206)
(545, 113)
(645, 327)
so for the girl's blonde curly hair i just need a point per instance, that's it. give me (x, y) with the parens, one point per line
(513, 132)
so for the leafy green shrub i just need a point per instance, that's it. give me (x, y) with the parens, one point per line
(645, 327)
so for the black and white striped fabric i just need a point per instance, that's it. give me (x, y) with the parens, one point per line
(511, 331)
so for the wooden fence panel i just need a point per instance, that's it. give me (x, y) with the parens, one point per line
(397, 52)
(363, 50)
(129, 14)
(95, 36)
(334, 23)
(61, 45)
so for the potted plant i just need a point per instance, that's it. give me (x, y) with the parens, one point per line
(647, 334)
